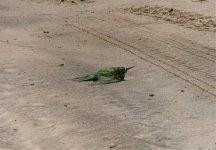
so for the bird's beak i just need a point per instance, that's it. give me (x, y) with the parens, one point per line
(130, 68)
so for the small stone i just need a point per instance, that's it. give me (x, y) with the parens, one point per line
(171, 10)
(61, 65)
(151, 95)
(113, 146)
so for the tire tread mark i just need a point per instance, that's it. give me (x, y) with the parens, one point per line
(153, 63)
(178, 61)
(176, 46)
(140, 50)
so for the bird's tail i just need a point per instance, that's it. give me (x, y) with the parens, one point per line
(89, 77)
(130, 68)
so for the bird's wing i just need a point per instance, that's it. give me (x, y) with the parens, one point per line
(110, 71)
(107, 80)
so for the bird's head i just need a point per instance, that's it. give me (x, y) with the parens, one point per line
(123, 72)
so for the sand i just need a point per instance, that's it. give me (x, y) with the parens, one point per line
(166, 103)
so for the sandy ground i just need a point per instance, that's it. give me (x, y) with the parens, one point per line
(166, 103)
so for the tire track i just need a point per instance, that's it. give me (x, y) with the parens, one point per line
(204, 86)
(189, 67)
(140, 50)
(179, 45)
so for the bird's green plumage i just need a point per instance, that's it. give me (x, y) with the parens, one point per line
(106, 75)
(89, 77)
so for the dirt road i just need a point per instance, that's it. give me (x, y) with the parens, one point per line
(166, 103)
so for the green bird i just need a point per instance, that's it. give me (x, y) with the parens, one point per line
(106, 75)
